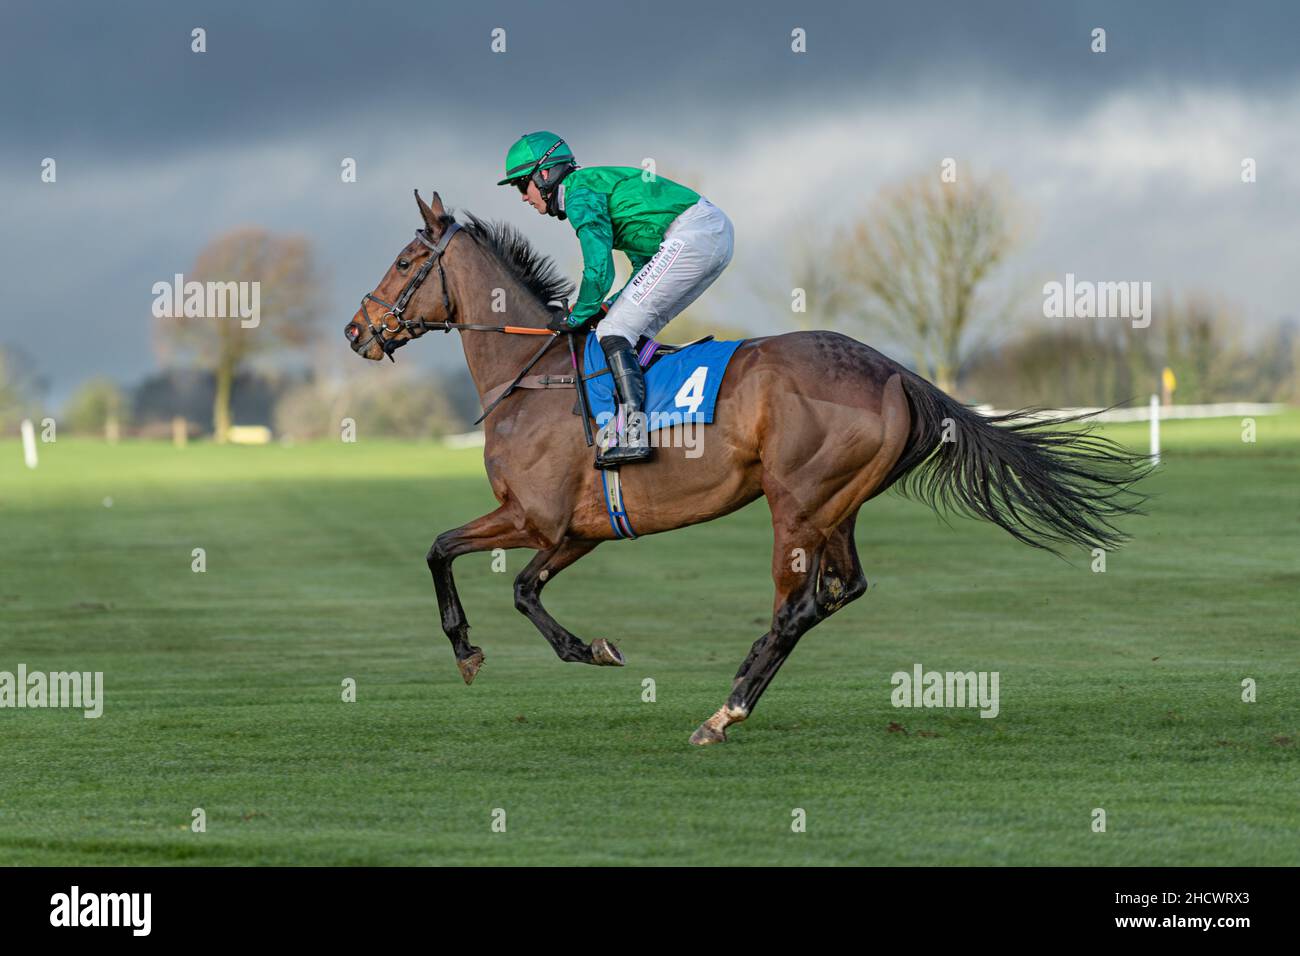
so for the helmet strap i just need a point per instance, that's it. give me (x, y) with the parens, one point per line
(550, 188)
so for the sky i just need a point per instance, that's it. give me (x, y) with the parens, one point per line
(1128, 162)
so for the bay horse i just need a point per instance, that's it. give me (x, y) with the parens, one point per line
(816, 422)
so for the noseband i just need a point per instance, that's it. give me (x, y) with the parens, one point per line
(396, 309)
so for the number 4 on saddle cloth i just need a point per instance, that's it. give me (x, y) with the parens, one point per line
(682, 381)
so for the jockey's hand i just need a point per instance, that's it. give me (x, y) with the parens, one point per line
(562, 320)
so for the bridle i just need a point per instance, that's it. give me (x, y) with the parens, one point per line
(396, 309)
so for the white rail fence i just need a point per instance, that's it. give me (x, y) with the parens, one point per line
(1144, 413)
(1154, 413)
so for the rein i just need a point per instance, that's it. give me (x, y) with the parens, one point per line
(395, 310)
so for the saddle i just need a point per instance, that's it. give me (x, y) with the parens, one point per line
(648, 351)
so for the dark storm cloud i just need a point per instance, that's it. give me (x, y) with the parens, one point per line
(121, 76)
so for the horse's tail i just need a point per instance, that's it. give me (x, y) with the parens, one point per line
(1043, 484)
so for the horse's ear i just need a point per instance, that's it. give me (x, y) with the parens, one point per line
(432, 214)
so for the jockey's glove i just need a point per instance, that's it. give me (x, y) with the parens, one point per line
(560, 320)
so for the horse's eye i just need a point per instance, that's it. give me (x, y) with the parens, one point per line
(403, 263)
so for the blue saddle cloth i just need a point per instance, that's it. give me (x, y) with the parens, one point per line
(681, 387)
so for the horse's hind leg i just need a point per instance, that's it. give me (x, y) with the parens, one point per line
(815, 577)
(842, 577)
(528, 589)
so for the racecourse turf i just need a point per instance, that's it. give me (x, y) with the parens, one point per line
(1119, 690)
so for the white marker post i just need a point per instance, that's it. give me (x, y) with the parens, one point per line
(29, 443)
(1155, 429)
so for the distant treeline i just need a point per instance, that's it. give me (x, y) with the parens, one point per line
(407, 405)
(1079, 362)
(1090, 362)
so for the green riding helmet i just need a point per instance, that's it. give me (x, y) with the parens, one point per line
(532, 153)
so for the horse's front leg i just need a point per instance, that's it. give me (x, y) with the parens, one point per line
(500, 529)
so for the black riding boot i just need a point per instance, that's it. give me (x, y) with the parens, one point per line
(629, 387)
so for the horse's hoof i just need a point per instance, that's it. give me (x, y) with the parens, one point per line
(470, 665)
(606, 654)
(705, 735)
(714, 730)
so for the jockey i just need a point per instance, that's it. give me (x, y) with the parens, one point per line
(677, 242)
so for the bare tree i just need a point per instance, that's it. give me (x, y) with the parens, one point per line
(283, 268)
(22, 388)
(918, 266)
(97, 407)
(818, 295)
(1202, 344)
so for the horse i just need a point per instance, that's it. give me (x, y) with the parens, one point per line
(816, 422)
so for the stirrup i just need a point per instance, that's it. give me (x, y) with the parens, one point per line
(623, 455)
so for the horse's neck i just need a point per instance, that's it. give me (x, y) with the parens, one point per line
(494, 357)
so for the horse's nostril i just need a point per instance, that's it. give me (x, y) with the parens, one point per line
(352, 331)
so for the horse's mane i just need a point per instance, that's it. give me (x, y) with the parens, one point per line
(537, 272)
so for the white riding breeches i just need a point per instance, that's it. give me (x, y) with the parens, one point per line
(696, 247)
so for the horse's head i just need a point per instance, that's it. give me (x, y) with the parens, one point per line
(410, 299)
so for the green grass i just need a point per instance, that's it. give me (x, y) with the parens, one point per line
(1118, 690)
